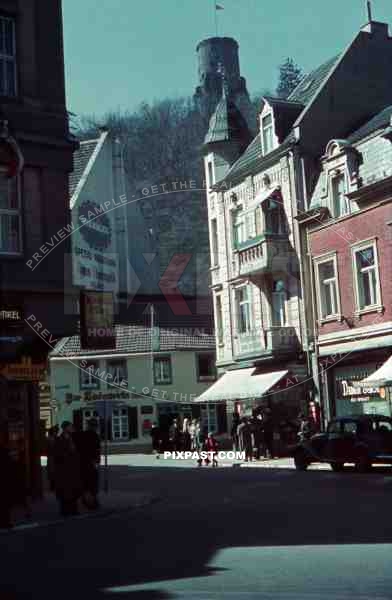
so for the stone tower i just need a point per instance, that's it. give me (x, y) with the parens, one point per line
(217, 55)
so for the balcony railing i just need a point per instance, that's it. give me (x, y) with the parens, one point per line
(266, 342)
(265, 254)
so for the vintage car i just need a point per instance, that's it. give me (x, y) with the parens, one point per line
(361, 440)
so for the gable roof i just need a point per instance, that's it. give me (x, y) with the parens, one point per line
(310, 84)
(133, 339)
(83, 160)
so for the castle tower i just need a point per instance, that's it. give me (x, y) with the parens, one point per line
(215, 55)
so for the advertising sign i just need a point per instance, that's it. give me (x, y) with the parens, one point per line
(97, 320)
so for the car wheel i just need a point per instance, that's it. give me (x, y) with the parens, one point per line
(362, 462)
(301, 461)
(338, 467)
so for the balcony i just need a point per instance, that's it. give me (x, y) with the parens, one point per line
(266, 254)
(267, 342)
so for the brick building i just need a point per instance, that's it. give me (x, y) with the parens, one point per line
(36, 159)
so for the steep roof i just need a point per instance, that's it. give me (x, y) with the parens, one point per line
(380, 121)
(285, 114)
(227, 123)
(252, 159)
(132, 339)
(80, 160)
(309, 85)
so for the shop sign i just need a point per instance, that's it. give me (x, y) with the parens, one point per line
(96, 396)
(359, 393)
(11, 315)
(26, 370)
(97, 320)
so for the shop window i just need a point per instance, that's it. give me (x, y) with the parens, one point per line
(7, 57)
(206, 367)
(118, 371)
(89, 375)
(162, 370)
(120, 424)
(367, 281)
(243, 309)
(327, 287)
(10, 216)
(340, 203)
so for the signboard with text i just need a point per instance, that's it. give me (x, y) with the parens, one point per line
(97, 320)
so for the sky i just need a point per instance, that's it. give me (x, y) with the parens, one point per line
(119, 53)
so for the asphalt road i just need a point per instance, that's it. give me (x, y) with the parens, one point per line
(216, 533)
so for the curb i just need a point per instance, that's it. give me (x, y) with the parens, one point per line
(100, 514)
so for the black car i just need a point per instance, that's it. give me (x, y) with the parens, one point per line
(363, 440)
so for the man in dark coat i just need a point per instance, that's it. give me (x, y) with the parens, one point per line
(245, 438)
(268, 431)
(89, 447)
(67, 472)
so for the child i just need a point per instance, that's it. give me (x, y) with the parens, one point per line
(210, 445)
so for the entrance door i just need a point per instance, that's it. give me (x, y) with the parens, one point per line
(120, 424)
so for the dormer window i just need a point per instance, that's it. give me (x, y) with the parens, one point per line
(267, 128)
(339, 202)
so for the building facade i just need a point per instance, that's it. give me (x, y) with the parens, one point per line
(259, 193)
(35, 162)
(152, 376)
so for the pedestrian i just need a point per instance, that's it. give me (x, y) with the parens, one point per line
(175, 435)
(258, 436)
(244, 433)
(156, 438)
(268, 432)
(234, 428)
(7, 475)
(198, 436)
(210, 446)
(50, 444)
(305, 428)
(67, 469)
(186, 436)
(90, 459)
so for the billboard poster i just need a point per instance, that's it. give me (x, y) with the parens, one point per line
(97, 320)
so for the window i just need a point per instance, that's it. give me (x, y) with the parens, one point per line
(275, 217)
(206, 367)
(162, 370)
(120, 424)
(367, 277)
(219, 319)
(10, 218)
(118, 370)
(214, 243)
(89, 376)
(210, 174)
(258, 221)
(326, 275)
(239, 234)
(268, 133)
(7, 57)
(279, 298)
(340, 203)
(242, 302)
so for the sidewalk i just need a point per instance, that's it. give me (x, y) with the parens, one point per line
(45, 512)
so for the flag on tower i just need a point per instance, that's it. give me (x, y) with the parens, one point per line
(219, 7)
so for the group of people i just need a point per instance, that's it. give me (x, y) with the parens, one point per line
(73, 466)
(183, 434)
(257, 435)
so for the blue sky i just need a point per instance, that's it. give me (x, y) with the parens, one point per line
(121, 52)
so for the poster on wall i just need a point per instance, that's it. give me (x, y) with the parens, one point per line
(97, 320)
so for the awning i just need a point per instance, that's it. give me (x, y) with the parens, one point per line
(241, 384)
(382, 376)
(356, 346)
(262, 196)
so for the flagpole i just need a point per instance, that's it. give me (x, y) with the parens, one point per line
(216, 18)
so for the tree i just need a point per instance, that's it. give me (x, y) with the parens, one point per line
(290, 74)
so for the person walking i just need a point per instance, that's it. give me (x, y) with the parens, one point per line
(186, 436)
(258, 436)
(244, 433)
(234, 429)
(175, 435)
(67, 469)
(211, 446)
(90, 459)
(50, 444)
(268, 431)
(156, 438)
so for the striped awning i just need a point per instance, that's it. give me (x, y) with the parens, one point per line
(241, 384)
(382, 376)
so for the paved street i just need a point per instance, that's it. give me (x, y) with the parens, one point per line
(215, 533)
